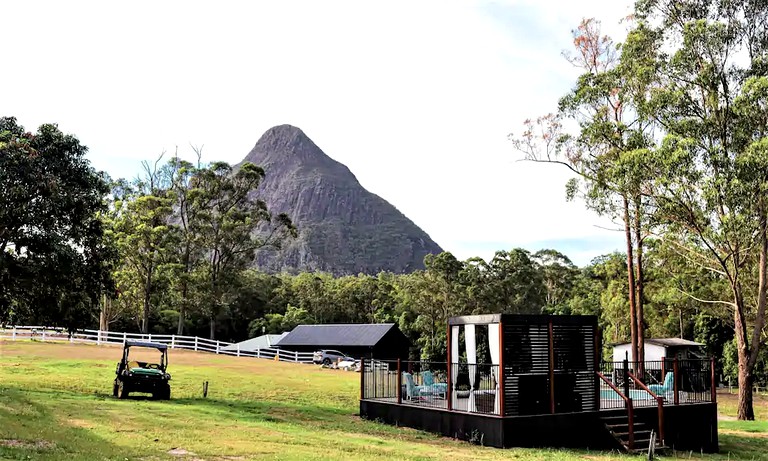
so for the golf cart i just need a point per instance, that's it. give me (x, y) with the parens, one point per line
(139, 376)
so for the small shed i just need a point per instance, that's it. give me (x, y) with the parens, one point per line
(656, 348)
(383, 341)
(254, 344)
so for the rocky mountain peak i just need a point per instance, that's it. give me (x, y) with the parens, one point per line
(285, 143)
(343, 228)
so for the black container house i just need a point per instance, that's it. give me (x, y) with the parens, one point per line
(537, 381)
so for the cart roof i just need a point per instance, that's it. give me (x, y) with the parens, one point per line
(162, 347)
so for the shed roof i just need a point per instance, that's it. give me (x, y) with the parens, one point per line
(668, 342)
(349, 334)
(259, 342)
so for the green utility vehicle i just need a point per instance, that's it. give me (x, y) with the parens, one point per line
(136, 376)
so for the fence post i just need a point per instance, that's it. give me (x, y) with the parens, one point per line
(43, 334)
(258, 353)
(98, 337)
(13, 335)
(399, 383)
(712, 373)
(625, 372)
(238, 349)
(195, 343)
(149, 337)
(218, 344)
(173, 341)
(676, 376)
(451, 391)
(362, 378)
(296, 356)
(125, 337)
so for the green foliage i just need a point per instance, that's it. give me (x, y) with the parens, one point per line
(51, 202)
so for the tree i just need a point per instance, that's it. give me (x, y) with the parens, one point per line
(606, 152)
(710, 170)
(143, 234)
(50, 228)
(182, 178)
(559, 275)
(232, 226)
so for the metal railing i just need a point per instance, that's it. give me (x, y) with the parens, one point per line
(194, 343)
(473, 388)
(674, 380)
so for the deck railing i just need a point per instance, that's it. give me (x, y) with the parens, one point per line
(691, 381)
(428, 384)
(194, 343)
(478, 388)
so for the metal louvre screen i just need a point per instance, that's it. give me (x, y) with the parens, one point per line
(530, 365)
(574, 368)
(526, 369)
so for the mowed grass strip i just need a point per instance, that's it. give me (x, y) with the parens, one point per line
(56, 403)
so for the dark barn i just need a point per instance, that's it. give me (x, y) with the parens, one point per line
(382, 341)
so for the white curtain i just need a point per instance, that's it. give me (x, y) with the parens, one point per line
(454, 359)
(494, 347)
(469, 336)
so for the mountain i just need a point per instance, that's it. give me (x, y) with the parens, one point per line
(343, 228)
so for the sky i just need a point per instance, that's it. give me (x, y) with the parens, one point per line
(415, 97)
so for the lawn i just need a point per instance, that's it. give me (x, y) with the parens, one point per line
(56, 403)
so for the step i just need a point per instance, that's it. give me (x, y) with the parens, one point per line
(638, 434)
(613, 418)
(625, 430)
(639, 426)
(645, 450)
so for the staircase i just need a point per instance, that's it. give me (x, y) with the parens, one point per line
(618, 426)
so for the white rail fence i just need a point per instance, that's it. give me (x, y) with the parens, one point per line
(194, 343)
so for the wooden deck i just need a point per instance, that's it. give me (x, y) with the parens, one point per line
(461, 405)
(689, 426)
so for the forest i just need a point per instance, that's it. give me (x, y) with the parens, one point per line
(666, 133)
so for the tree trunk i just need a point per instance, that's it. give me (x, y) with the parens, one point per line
(640, 288)
(184, 287)
(180, 326)
(748, 355)
(213, 327)
(183, 309)
(106, 305)
(744, 410)
(631, 280)
(147, 301)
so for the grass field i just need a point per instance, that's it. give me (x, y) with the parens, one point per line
(56, 403)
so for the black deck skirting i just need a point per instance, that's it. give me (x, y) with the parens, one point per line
(688, 427)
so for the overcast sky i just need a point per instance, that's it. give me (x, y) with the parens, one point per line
(415, 97)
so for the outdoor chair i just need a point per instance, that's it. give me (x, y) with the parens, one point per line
(665, 390)
(414, 392)
(429, 380)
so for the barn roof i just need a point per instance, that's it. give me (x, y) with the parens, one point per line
(348, 334)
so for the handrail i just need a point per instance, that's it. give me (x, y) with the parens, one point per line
(630, 410)
(659, 401)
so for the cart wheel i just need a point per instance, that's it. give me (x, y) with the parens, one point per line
(122, 392)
